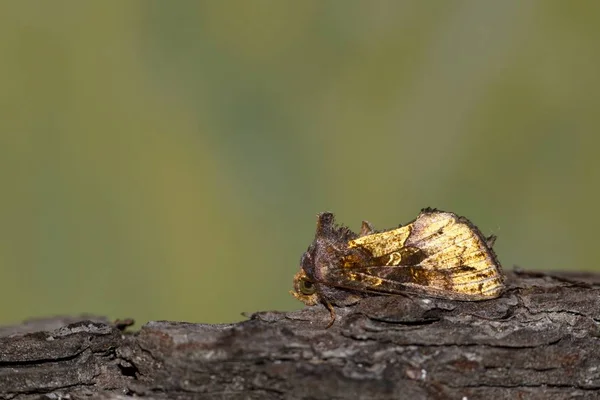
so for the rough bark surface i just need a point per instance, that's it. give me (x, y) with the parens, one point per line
(538, 341)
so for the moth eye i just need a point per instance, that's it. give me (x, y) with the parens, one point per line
(307, 287)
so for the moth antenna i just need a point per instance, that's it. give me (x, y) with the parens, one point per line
(325, 223)
(366, 228)
(331, 313)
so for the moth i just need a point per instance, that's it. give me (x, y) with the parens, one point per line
(439, 254)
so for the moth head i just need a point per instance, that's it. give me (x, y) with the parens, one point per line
(324, 254)
(304, 289)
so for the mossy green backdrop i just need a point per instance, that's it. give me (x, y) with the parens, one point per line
(166, 159)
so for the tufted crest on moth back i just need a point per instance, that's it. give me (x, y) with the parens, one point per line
(326, 228)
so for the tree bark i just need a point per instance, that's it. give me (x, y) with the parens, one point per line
(538, 341)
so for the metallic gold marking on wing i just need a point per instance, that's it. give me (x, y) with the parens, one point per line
(381, 244)
(394, 259)
(368, 280)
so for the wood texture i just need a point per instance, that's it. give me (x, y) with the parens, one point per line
(539, 340)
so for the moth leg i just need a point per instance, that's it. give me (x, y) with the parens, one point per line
(490, 240)
(331, 313)
(366, 228)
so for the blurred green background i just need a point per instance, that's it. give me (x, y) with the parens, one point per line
(166, 160)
